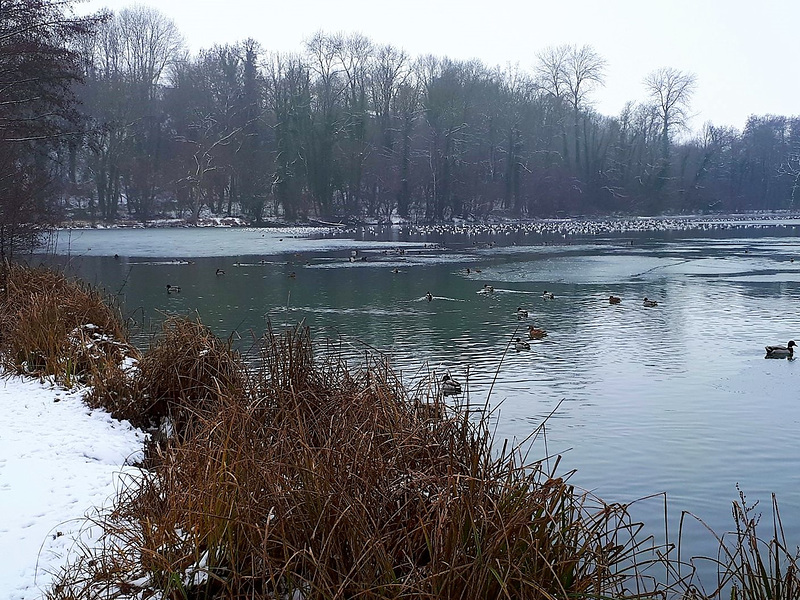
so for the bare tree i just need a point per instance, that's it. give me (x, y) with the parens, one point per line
(128, 62)
(671, 90)
(551, 70)
(568, 73)
(38, 110)
(585, 69)
(149, 42)
(390, 70)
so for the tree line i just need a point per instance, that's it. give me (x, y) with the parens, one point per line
(111, 116)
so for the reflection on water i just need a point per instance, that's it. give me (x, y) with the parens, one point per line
(676, 398)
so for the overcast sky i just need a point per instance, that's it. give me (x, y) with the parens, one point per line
(745, 53)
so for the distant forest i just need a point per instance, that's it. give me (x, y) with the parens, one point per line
(128, 125)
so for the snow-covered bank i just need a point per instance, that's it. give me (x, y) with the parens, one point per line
(58, 461)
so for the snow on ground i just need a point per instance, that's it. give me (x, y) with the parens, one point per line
(58, 461)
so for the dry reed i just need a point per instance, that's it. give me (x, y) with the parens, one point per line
(313, 480)
(53, 326)
(748, 565)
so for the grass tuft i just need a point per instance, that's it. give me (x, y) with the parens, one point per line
(748, 565)
(51, 326)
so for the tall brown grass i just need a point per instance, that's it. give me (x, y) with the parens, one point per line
(308, 477)
(748, 565)
(51, 325)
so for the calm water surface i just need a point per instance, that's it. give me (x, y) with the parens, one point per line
(676, 399)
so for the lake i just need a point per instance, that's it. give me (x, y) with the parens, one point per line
(676, 398)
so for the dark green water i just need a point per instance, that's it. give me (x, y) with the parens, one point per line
(676, 399)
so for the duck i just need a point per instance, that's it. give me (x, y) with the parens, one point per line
(614, 299)
(649, 303)
(292, 275)
(520, 345)
(220, 272)
(428, 296)
(521, 313)
(450, 386)
(786, 351)
(486, 289)
(548, 295)
(173, 289)
(535, 333)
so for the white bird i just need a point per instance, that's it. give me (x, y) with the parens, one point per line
(786, 351)
(486, 289)
(450, 386)
(548, 295)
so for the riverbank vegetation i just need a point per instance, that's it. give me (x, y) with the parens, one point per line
(303, 475)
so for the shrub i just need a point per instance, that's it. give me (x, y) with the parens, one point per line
(313, 480)
(53, 326)
(186, 367)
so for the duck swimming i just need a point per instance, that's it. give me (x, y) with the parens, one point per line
(173, 289)
(535, 333)
(614, 299)
(521, 313)
(486, 289)
(548, 295)
(220, 272)
(429, 296)
(649, 303)
(450, 386)
(520, 345)
(786, 351)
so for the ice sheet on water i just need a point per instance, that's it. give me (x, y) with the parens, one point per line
(206, 242)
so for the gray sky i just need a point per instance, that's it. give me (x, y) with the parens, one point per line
(745, 53)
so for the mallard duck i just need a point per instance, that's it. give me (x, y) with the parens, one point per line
(535, 333)
(649, 303)
(548, 295)
(786, 351)
(614, 299)
(521, 313)
(220, 272)
(429, 296)
(450, 386)
(520, 345)
(173, 289)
